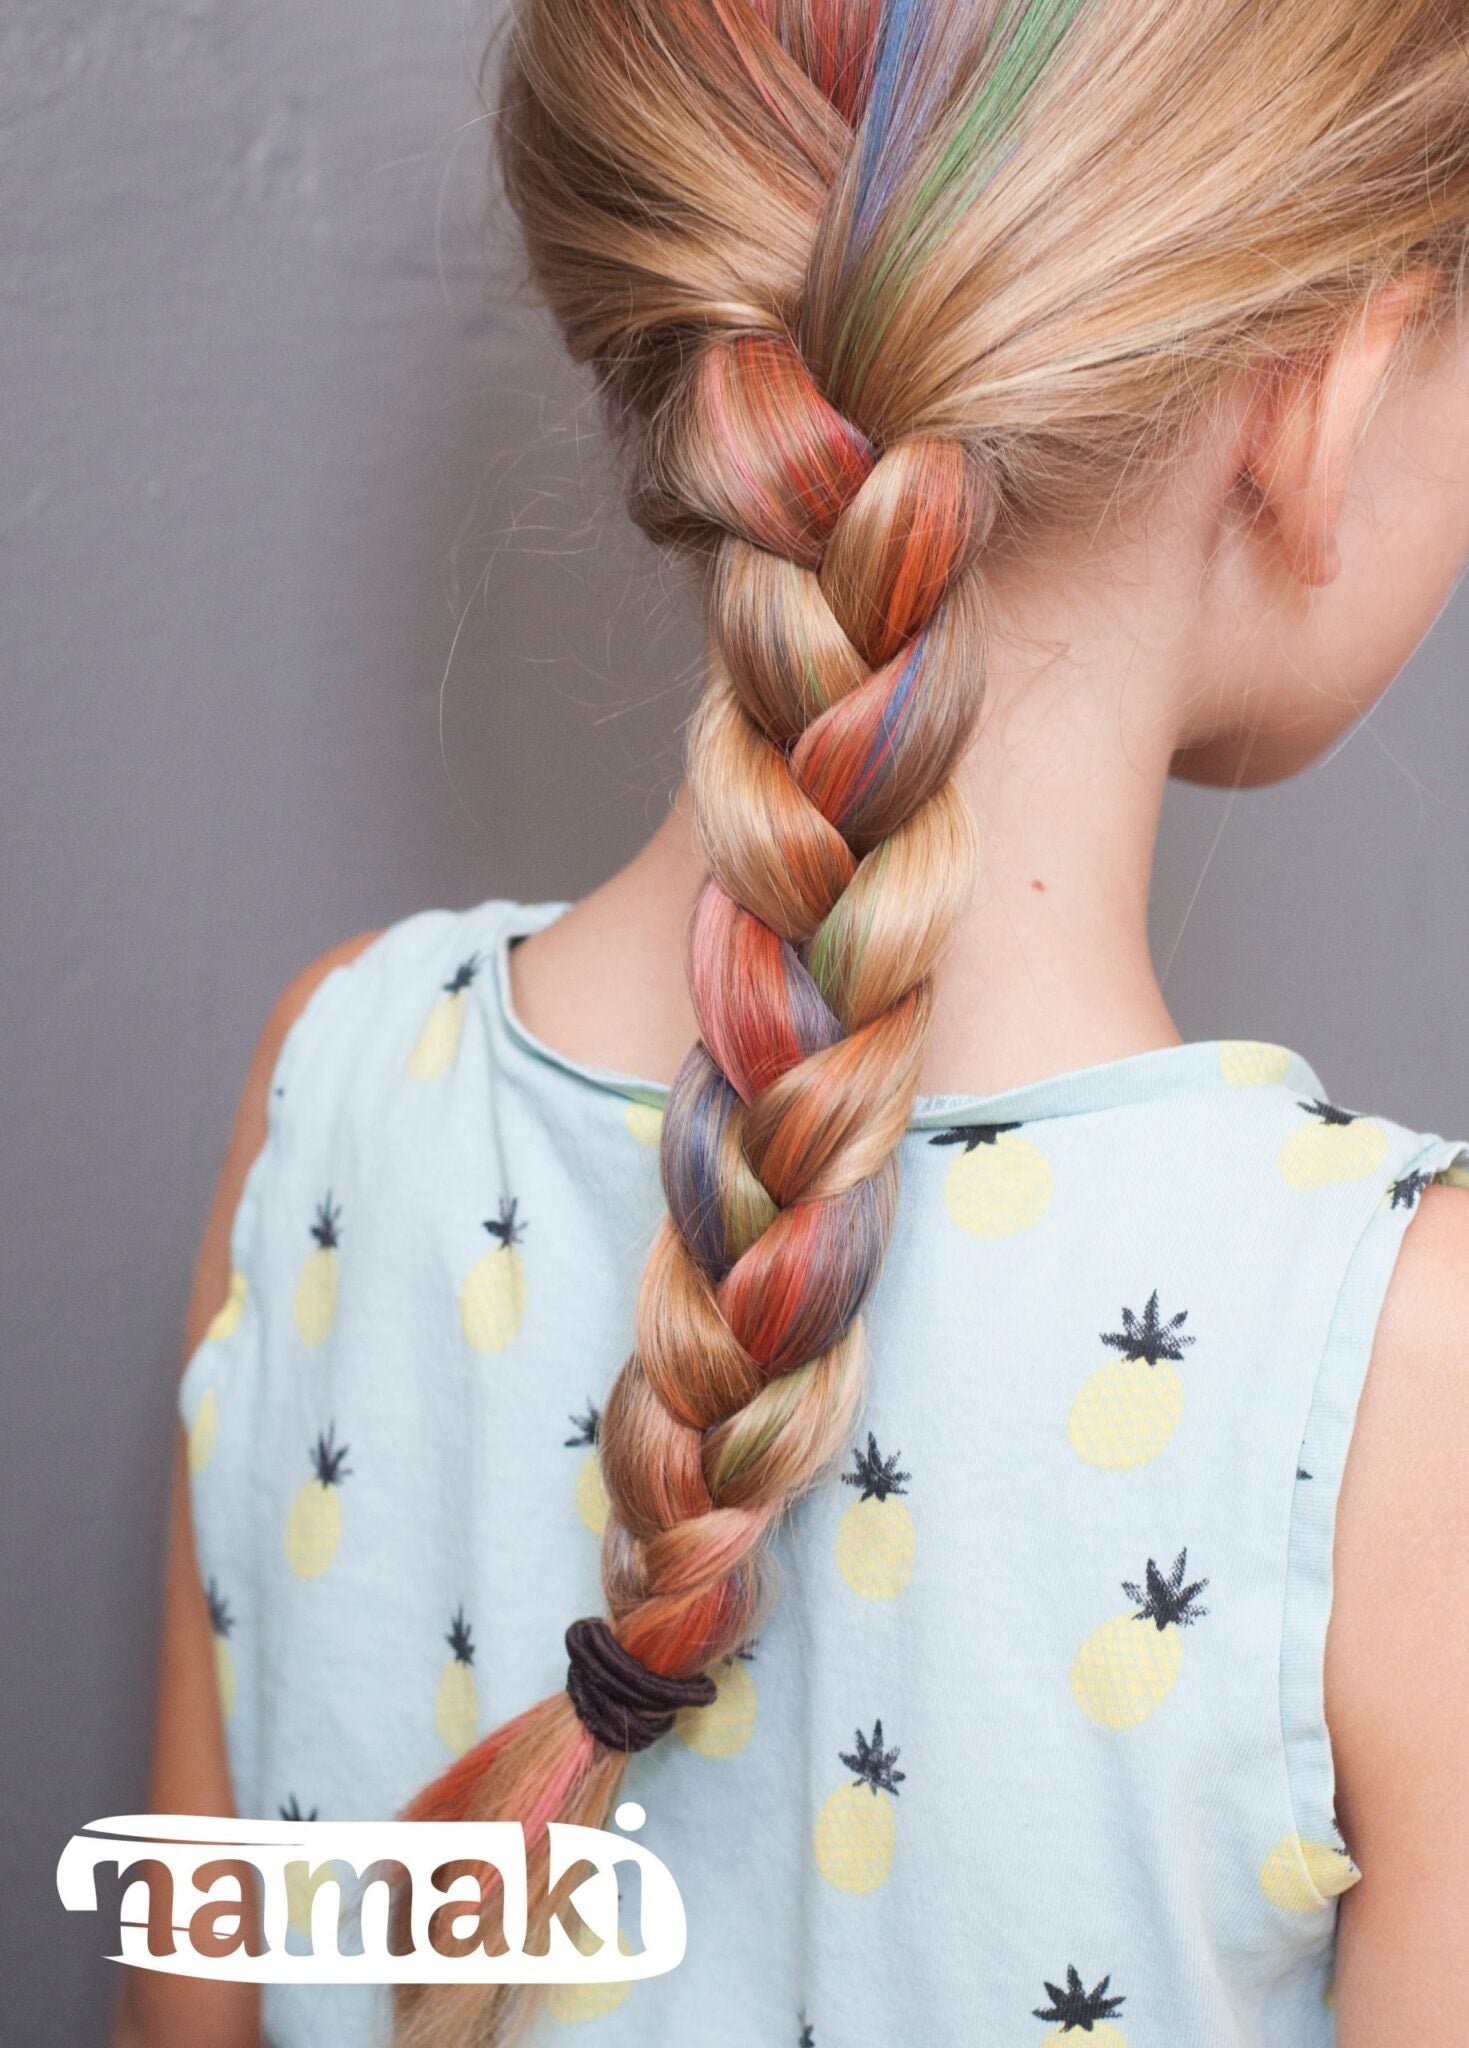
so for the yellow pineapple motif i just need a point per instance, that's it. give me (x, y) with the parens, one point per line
(492, 1299)
(202, 1430)
(1247, 1063)
(999, 1184)
(316, 1289)
(221, 1621)
(1332, 1145)
(1297, 1875)
(1125, 1669)
(645, 1121)
(856, 1828)
(456, 1706)
(592, 1503)
(875, 1537)
(298, 1888)
(1129, 1408)
(314, 1525)
(723, 1727)
(226, 1320)
(437, 1047)
(1082, 2012)
(588, 2001)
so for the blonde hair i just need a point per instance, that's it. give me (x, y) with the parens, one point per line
(875, 289)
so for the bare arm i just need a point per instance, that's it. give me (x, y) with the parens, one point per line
(190, 1770)
(1397, 1659)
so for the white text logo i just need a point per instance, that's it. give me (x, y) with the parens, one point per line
(377, 1902)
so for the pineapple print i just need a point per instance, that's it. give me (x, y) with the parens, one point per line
(1246, 1063)
(723, 1727)
(492, 1299)
(226, 1320)
(1332, 1145)
(1130, 1407)
(314, 1525)
(1297, 1876)
(1125, 1669)
(1078, 2011)
(438, 1042)
(875, 1537)
(202, 1429)
(316, 1290)
(221, 1621)
(999, 1184)
(807, 2036)
(592, 1503)
(298, 1889)
(1406, 1193)
(856, 1828)
(645, 1121)
(569, 2002)
(456, 1707)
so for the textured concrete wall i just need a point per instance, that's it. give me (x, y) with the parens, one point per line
(270, 436)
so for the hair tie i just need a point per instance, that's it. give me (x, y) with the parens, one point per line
(618, 1699)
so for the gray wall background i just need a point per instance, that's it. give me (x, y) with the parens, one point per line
(275, 451)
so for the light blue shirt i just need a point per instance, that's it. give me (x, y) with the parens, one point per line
(1077, 1564)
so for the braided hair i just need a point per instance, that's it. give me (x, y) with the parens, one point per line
(863, 312)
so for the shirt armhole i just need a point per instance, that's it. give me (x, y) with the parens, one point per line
(346, 1005)
(233, 1335)
(1311, 1869)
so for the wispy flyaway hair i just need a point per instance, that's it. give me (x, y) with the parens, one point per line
(873, 291)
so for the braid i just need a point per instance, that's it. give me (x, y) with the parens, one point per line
(840, 317)
(842, 639)
(820, 766)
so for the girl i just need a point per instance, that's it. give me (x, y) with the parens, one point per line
(1047, 396)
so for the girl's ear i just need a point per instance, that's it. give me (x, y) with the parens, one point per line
(1307, 421)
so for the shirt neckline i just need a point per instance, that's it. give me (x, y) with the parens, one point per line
(1194, 1067)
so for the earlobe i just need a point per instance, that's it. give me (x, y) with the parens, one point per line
(1306, 425)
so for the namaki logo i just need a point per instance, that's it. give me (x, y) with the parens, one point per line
(374, 1902)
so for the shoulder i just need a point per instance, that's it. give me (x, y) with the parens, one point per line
(1405, 1468)
(1396, 1674)
(378, 956)
(357, 1008)
(248, 1132)
(350, 1024)
(1397, 1666)
(288, 1006)
(1427, 1305)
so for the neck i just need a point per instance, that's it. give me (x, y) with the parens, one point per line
(1049, 968)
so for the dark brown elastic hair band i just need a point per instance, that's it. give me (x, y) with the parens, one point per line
(624, 1704)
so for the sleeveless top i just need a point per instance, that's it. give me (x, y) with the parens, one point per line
(1032, 1746)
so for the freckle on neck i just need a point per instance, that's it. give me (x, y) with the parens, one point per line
(1039, 886)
